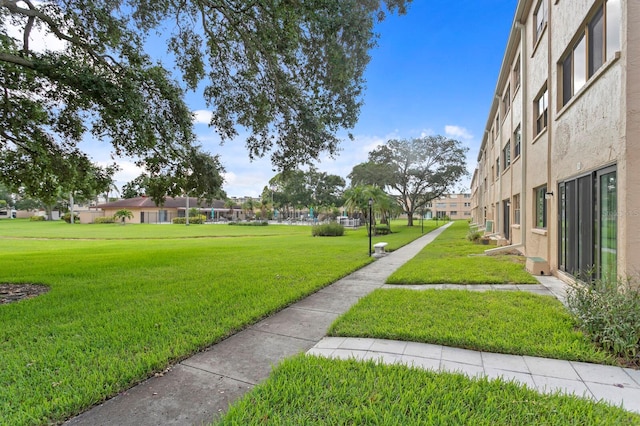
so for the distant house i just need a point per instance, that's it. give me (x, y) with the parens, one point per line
(145, 210)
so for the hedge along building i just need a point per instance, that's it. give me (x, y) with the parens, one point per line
(558, 169)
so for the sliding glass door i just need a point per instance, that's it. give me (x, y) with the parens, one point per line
(607, 248)
(587, 240)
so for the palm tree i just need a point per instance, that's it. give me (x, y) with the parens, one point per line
(264, 206)
(247, 207)
(111, 187)
(123, 215)
(229, 203)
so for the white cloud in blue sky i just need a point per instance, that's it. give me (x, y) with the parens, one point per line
(457, 132)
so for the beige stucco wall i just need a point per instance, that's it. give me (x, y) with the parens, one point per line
(599, 127)
(629, 189)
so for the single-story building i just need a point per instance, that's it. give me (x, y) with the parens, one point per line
(145, 210)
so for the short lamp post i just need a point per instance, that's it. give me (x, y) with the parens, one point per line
(186, 222)
(422, 220)
(370, 223)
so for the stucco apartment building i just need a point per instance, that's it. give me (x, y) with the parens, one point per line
(453, 206)
(559, 165)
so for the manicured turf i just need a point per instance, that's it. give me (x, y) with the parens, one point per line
(307, 390)
(496, 321)
(452, 259)
(311, 390)
(120, 310)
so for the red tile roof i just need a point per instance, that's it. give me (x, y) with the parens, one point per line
(169, 202)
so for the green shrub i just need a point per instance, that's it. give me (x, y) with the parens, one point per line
(37, 218)
(328, 230)
(474, 236)
(198, 220)
(105, 219)
(67, 217)
(609, 313)
(260, 223)
(382, 230)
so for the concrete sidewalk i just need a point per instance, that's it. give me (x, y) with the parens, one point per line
(197, 390)
(615, 385)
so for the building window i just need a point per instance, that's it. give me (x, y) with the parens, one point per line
(467, 204)
(516, 75)
(497, 124)
(453, 213)
(540, 110)
(595, 30)
(599, 39)
(612, 19)
(506, 155)
(516, 209)
(454, 205)
(497, 167)
(506, 102)
(441, 206)
(541, 207)
(540, 18)
(467, 195)
(517, 137)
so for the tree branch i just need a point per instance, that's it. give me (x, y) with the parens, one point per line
(18, 60)
(32, 13)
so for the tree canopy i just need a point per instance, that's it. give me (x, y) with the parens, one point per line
(420, 169)
(311, 188)
(289, 72)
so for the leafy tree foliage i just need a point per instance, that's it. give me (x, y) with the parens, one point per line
(357, 202)
(370, 173)
(28, 204)
(311, 188)
(325, 189)
(66, 174)
(135, 188)
(5, 195)
(421, 169)
(289, 72)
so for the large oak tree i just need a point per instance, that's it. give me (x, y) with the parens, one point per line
(289, 72)
(419, 170)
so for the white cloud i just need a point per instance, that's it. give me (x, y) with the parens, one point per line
(127, 171)
(427, 132)
(457, 132)
(202, 116)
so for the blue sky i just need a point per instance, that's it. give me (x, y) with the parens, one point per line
(434, 72)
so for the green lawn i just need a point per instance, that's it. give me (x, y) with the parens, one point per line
(308, 390)
(120, 309)
(452, 259)
(312, 390)
(495, 321)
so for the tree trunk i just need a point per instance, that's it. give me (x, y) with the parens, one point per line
(410, 219)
